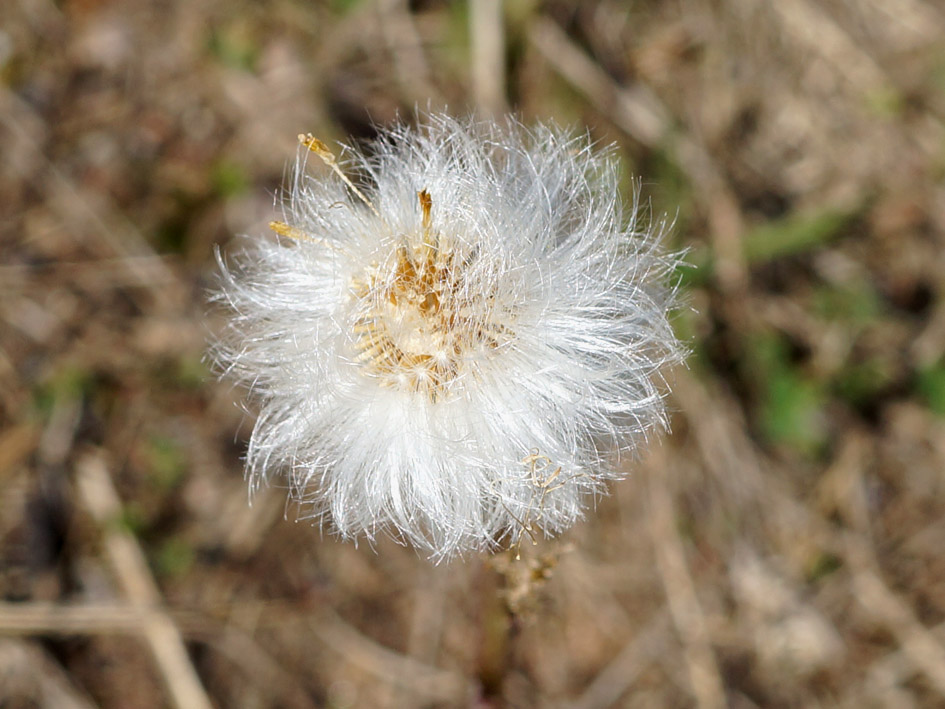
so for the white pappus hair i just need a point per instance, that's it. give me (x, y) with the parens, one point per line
(456, 353)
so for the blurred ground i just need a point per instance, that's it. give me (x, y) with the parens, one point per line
(783, 548)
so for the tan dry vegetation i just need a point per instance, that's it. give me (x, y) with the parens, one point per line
(782, 548)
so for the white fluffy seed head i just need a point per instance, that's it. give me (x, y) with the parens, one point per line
(458, 354)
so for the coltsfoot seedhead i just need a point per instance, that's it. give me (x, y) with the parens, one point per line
(457, 352)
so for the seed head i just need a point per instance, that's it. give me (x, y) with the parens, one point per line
(457, 352)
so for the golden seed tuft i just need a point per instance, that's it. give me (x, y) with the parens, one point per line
(416, 325)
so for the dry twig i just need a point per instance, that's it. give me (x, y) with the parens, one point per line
(115, 234)
(406, 48)
(720, 440)
(392, 667)
(684, 607)
(27, 667)
(618, 676)
(639, 112)
(487, 36)
(128, 562)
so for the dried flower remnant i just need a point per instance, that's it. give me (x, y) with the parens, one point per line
(457, 354)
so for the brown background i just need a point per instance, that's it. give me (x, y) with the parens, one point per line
(784, 547)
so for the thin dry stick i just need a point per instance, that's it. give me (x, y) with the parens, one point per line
(617, 677)
(54, 619)
(639, 112)
(91, 275)
(27, 665)
(871, 592)
(817, 29)
(127, 560)
(635, 109)
(920, 17)
(726, 450)
(918, 644)
(431, 682)
(244, 652)
(680, 589)
(487, 39)
(119, 236)
(426, 626)
(889, 671)
(24, 618)
(406, 48)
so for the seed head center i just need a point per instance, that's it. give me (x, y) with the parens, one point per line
(408, 333)
(415, 315)
(419, 324)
